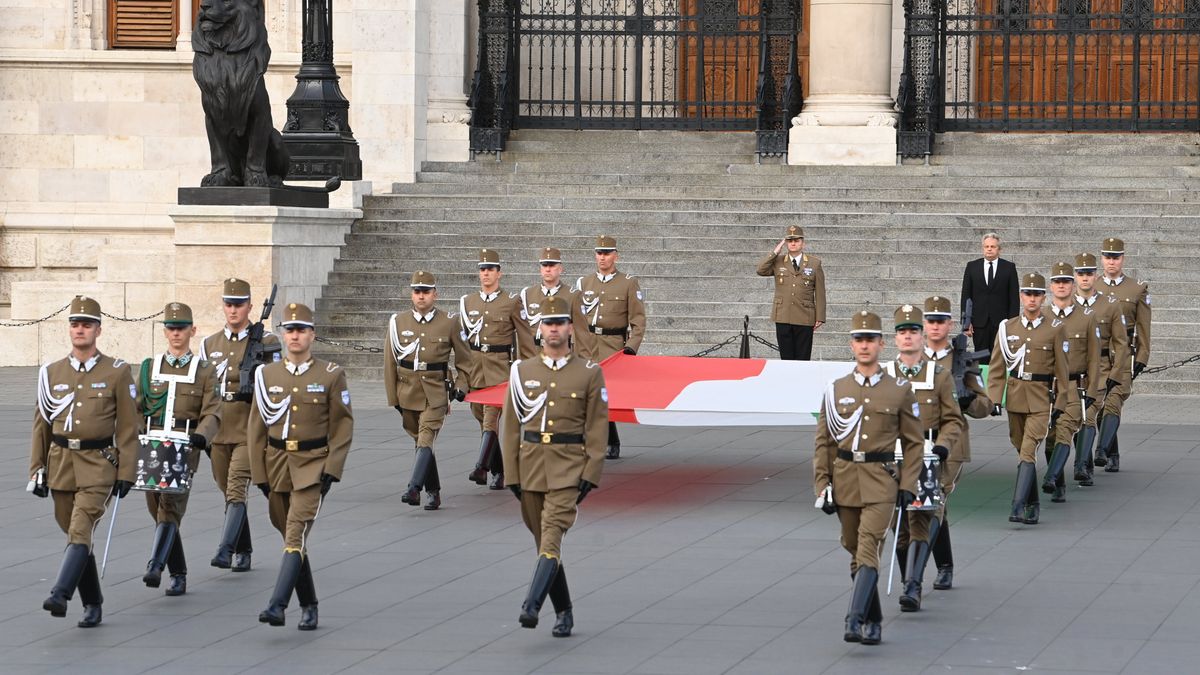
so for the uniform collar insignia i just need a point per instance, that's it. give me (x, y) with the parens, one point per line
(178, 361)
(488, 297)
(1088, 301)
(551, 291)
(424, 318)
(298, 369)
(555, 364)
(1028, 324)
(605, 278)
(910, 371)
(1063, 312)
(869, 382)
(938, 355)
(1114, 282)
(86, 366)
(241, 335)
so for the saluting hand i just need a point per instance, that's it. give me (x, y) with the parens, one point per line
(780, 245)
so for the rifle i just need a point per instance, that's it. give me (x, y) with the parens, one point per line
(257, 353)
(963, 362)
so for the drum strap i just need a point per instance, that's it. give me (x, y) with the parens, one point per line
(152, 403)
(51, 406)
(168, 408)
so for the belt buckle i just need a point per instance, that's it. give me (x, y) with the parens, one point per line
(73, 444)
(545, 438)
(291, 446)
(597, 330)
(228, 396)
(859, 455)
(421, 366)
(1026, 377)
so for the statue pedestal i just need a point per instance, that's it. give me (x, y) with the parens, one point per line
(253, 196)
(292, 247)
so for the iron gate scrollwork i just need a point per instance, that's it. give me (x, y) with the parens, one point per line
(636, 64)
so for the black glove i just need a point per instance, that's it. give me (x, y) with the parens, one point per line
(828, 508)
(1110, 384)
(516, 490)
(121, 488)
(1054, 415)
(327, 482)
(965, 402)
(40, 488)
(630, 351)
(266, 489)
(459, 395)
(1088, 401)
(584, 488)
(398, 409)
(208, 451)
(995, 410)
(905, 498)
(942, 452)
(1138, 368)
(198, 441)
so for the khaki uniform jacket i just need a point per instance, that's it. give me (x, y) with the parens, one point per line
(319, 408)
(980, 407)
(889, 411)
(500, 317)
(103, 407)
(1082, 336)
(576, 403)
(1114, 338)
(799, 294)
(938, 405)
(439, 338)
(1133, 297)
(196, 402)
(226, 354)
(1044, 356)
(614, 304)
(529, 327)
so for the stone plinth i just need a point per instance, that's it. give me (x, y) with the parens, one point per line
(292, 247)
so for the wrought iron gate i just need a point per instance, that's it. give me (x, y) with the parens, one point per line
(636, 64)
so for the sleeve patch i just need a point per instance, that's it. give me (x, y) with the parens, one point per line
(916, 409)
(604, 394)
(1066, 346)
(133, 392)
(639, 297)
(346, 397)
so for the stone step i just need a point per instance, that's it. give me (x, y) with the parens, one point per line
(1023, 141)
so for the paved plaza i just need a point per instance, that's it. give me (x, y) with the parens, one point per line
(700, 553)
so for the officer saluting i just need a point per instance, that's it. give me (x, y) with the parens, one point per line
(226, 349)
(554, 422)
(614, 314)
(298, 435)
(416, 374)
(1028, 357)
(1114, 355)
(84, 449)
(529, 329)
(863, 415)
(189, 385)
(799, 294)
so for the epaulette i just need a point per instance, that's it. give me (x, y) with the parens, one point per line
(117, 363)
(331, 367)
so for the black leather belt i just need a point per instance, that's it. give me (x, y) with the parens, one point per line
(231, 396)
(537, 437)
(1076, 377)
(293, 446)
(1030, 377)
(78, 444)
(424, 366)
(608, 331)
(491, 349)
(881, 456)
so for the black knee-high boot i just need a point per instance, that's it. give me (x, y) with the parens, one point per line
(614, 442)
(943, 557)
(539, 587)
(560, 598)
(306, 594)
(74, 560)
(285, 583)
(89, 593)
(177, 565)
(164, 540)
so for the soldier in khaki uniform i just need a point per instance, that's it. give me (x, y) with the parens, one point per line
(226, 349)
(799, 306)
(84, 450)
(1028, 358)
(488, 320)
(554, 422)
(942, 425)
(1081, 341)
(529, 329)
(416, 375)
(299, 434)
(614, 313)
(189, 385)
(1115, 358)
(939, 350)
(854, 469)
(1133, 299)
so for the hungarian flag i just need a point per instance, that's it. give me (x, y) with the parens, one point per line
(684, 391)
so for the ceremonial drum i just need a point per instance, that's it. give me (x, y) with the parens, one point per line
(163, 463)
(929, 483)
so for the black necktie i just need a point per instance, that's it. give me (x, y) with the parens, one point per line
(795, 265)
(990, 272)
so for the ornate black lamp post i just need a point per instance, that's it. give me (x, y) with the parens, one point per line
(317, 133)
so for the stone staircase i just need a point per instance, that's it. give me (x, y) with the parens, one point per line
(693, 213)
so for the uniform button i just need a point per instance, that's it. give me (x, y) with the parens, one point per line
(572, 394)
(293, 426)
(866, 400)
(295, 407)
(422, 335)
(864, 436)
(77, 405)
(295, 389)
(552, 384)
(550, 422)
(314, 400)
(866, 418)
(79, 386)
(551, 404)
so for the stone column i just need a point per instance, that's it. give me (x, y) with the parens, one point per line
(848, 116)
(183, 41)
(449, 136)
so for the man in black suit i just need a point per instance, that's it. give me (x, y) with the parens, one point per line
(991, 284)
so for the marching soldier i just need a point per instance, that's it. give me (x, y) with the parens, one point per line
(84, 450)
(942, 425)
(188, 384)
(1081, 342)
(488, 320)
(1133, 298)
(614, 316)
(854, 475)
(416, 374)
(529, 329)
(1028, 357)
(939, 350)
(1114, 355)
(298, 435)
(554, 423)
(799, 306)
(226, 349)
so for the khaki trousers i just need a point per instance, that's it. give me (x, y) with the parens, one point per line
(166, 508)
(293, 513)
(1026, 431)
(78, 511)
(549, 515)
(488, 416)
(423, 425)
(863, 530)
(231, 470)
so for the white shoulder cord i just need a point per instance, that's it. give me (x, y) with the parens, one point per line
(525, 407)
(403, 351)
(533, 319)
(51, 406)
(271, 412)
(470, 328)
(1011, 359)
(841, 427)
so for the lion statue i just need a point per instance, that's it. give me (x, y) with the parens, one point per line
(230, 41)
